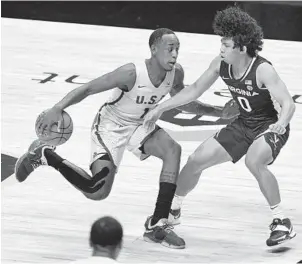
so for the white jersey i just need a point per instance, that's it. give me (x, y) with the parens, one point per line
(131, 107)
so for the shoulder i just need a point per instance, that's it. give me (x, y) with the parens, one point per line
(215, 64)
(265, 70)
(126, 76)
(179, 71)
(266, 75)
(179, 74)
(127, 69)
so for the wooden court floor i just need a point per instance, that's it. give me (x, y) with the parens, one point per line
(45, 220)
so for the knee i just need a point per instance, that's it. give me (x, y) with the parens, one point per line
(254, 165)
(193, 161)
(250, 163)
(99, 195)
(171, 151)
(197, 161)
(101, 183)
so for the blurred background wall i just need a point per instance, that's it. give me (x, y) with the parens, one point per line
(280, 20)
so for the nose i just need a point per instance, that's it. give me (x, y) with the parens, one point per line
(174, 54)
(221, 49)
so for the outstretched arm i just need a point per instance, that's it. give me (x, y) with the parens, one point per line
(196, 106)
(187, 94)
(194, 91)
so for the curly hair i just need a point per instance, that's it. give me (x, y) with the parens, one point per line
(234, 23)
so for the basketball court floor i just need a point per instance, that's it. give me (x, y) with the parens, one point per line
(46, 220)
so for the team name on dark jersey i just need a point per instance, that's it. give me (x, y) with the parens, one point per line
(255, 103)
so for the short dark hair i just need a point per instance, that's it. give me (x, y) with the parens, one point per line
(234, 23)
(157, 35)
(106, 231)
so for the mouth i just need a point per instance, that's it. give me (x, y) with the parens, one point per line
(171, 63)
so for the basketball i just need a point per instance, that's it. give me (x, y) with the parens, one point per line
(56, 137)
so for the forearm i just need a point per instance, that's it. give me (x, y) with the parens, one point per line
(286, 114)
(200, 108)
(73, 97)
(184, 97)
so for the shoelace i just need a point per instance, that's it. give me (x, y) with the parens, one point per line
(274, 224)
(36, 164)
(168, 227)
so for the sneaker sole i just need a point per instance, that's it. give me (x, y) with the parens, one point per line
(288, 238)
(147, 239)
(19, 177)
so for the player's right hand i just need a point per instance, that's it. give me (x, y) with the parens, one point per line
(47, 119)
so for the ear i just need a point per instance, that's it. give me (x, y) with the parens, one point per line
(153, 49)
(243, 49)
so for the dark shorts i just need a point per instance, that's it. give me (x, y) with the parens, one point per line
(237, 137)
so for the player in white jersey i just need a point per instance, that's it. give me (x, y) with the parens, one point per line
(137, 88)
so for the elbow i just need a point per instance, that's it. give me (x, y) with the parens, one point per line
(86, 91)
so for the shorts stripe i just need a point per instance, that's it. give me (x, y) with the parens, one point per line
(100, 139)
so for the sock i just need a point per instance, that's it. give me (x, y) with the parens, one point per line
(164, 200)
(277, 211)
(177, 202)
(88, 185)
(53, 159)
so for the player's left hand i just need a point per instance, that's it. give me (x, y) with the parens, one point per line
(230, 110)
(277, 128)
(151, 117)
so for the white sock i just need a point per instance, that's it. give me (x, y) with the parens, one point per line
(177, 202)
(277, 211)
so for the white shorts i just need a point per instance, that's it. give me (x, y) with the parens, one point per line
(109, 136)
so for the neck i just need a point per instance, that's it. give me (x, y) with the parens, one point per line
(156, 72)
(241, 65)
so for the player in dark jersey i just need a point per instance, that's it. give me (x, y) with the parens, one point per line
(260, 131)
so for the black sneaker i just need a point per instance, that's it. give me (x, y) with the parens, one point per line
(281, 231)
(31, 160)
(162, 233)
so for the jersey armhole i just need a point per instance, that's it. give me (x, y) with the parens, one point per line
(127, 89)
(263, 87)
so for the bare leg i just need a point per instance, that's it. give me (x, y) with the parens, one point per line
(208, 154)
(259, 155)
(161, 145)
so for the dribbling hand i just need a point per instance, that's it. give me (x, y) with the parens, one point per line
(47, 119)
(277, 128)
